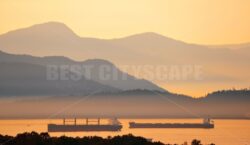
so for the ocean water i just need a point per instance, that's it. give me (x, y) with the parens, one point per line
(226, 132)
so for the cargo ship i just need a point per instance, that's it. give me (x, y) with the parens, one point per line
(72, 126)
(207, 123)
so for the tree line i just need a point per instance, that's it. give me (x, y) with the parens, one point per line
(34, 138)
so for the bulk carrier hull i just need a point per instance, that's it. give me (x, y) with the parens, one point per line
(170, 125)
(80, 128)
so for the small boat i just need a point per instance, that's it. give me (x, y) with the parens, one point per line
(207, 123)
(113, 125)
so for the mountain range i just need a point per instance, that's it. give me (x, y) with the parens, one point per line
(28, 54)
(27, 75)
(24, 84)
(223, 67)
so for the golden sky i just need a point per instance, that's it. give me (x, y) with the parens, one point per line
(194, 21)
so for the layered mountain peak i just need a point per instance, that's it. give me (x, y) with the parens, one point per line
(150, 40)
(99, 68)
(150, 36)
(147, 35)
(40, 38)
(46, 29)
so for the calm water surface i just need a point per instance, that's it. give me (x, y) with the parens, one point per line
(226, 132)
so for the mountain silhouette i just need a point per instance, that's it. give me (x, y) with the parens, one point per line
(56, 39)
(30, 63)
(23, 79)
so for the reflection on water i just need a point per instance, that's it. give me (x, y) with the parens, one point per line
(226, 132)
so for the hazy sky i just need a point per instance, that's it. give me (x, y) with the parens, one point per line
(195, 21)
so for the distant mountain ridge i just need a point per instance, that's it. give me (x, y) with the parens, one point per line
(233, 95)
(24, 77)
(36, 66)
(23, 73)
(218, 104)
(133, 103)
(56, 39)
(231, 46)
